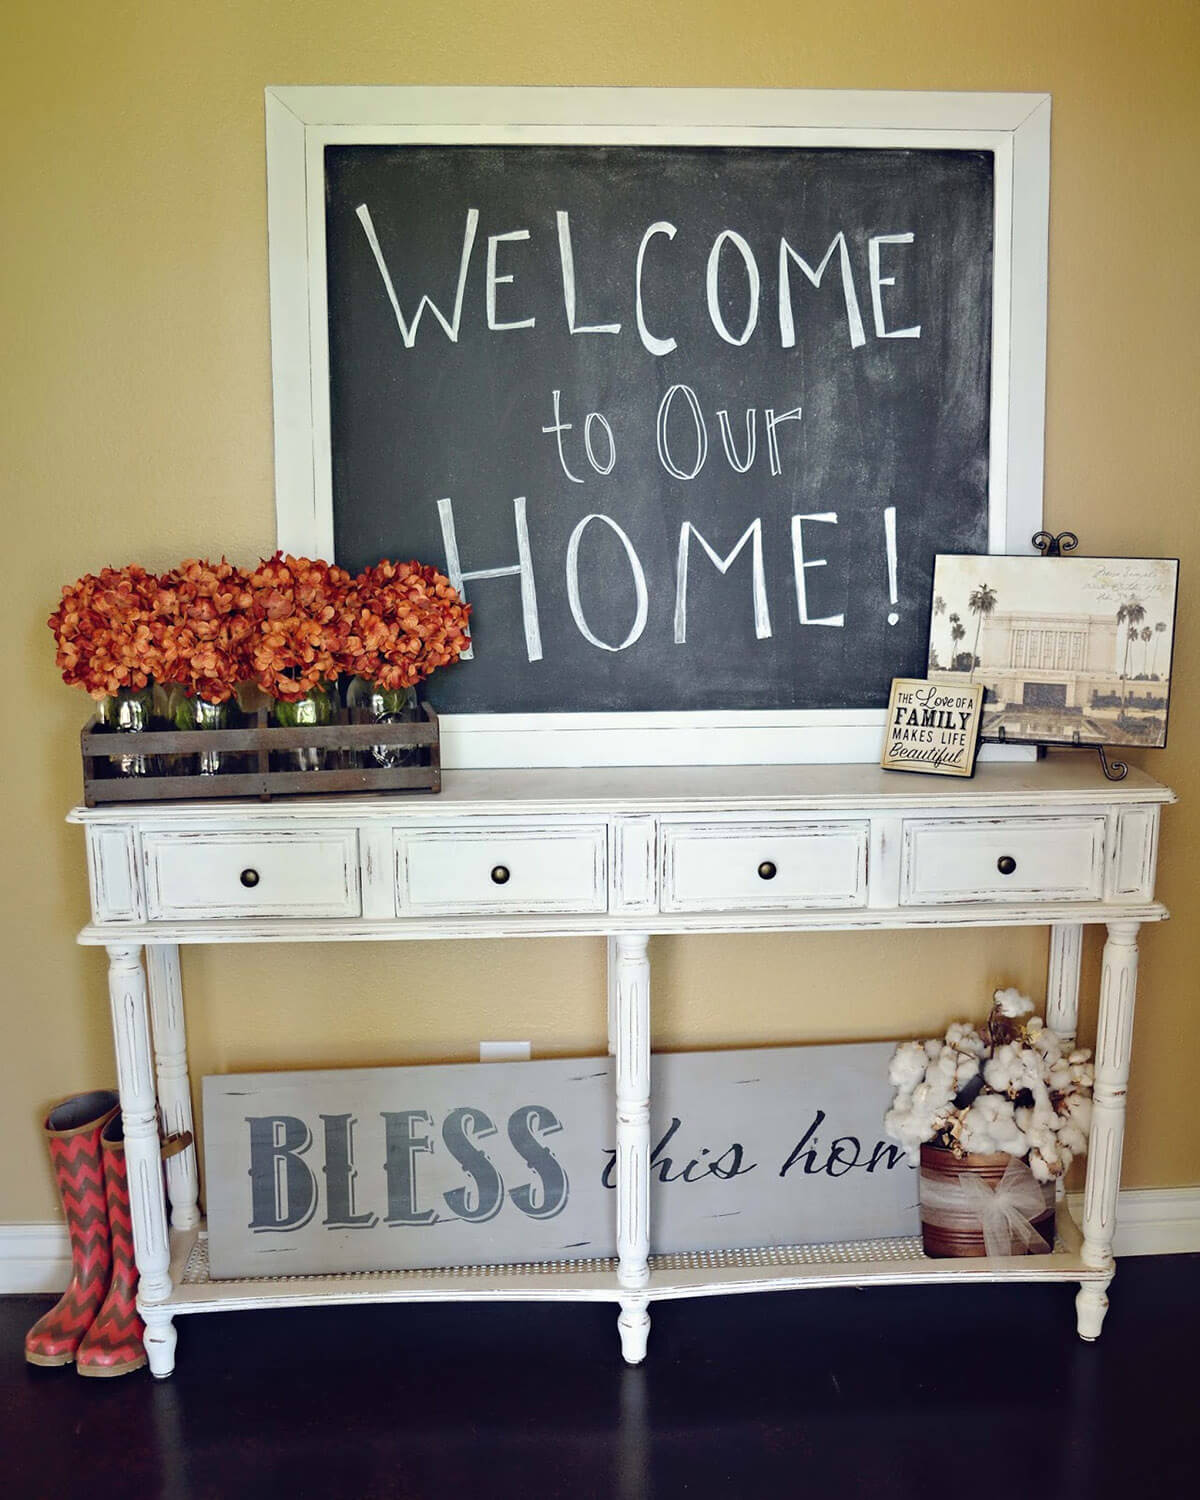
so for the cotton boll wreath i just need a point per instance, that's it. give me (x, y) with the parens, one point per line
(1012, 1088)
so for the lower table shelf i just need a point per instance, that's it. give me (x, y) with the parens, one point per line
(700, 1273)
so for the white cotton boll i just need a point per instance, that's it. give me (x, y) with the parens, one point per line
(1004, 1071)
(1043, 1147)
(1080, 1055)
(933, 1048)
(964, 1038)
(1045, 1116)
(942, 1073)
(1012, 1003)
(1035, 1026)
(1058, 1077)
(991, 1126)
(1072, 1138)
(1077, 1112)
(1083, 1076)
(1047, 1045)
(992, 1107)
(967, 1068)
(933, 1097)
(907, 1067)
(1040, 1168)
(1011, 1138)
(1032, 1063)
(900, 1125)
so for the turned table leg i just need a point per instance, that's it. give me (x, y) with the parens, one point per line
(1114, 1036)
(1062, 990)
(139, 1115)
(1062, 980)
(610, 972)
(174, 1090)
(632, 994)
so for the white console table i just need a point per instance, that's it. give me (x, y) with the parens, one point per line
(624, 854)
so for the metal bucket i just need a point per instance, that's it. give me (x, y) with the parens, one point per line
(960, 1233)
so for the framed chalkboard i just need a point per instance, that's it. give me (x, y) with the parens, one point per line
(683, 389)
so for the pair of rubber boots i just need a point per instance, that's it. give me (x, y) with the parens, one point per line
(95, 1324)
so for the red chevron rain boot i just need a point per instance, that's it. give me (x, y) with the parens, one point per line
(73, 1130)
(113, 1344)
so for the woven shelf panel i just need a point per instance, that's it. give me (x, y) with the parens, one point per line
(856, 1252)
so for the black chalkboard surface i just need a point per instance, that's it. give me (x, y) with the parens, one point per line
(693, 347)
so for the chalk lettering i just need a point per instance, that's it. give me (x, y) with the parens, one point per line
(522, 569)
(727, 443)
(713, 287)
(639, 584)
(787, 325)
(878, 282)
(655, 345)
(494, 280)
(752, 534)
(566, 258)
(801, 564)
(558, 427)
(408, 331)
(664, 451)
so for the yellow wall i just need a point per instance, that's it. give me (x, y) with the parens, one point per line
(135, 408)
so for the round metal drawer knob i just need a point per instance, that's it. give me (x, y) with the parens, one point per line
(249, 878)
(1006, 864)
(767, 870)
(500, 875)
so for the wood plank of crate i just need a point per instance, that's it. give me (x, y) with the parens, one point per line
(99, 747)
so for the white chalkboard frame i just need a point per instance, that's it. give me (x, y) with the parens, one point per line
(301, 121)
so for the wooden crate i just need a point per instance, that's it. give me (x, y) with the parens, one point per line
(102, 748)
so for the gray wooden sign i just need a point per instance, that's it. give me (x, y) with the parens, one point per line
(395, 1168)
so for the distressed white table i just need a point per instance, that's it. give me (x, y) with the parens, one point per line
(624, 854)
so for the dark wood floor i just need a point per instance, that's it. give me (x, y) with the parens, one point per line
(958, 1392)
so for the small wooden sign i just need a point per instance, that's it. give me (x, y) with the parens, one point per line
(932, 727)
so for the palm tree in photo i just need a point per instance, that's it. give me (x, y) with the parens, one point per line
(1159, 630)
(957, 631)
(939, 608)
(1131, 636)
(1134, 612)
(982, 602)
(1147, 637)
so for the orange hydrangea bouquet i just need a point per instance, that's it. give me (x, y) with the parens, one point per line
(290, 626)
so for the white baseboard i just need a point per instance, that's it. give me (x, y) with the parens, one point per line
(34, 1258)
(1151, 1221)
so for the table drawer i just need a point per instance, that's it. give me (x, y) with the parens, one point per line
(759, 866)
(946, 860)
(294, 872)
(503, 868)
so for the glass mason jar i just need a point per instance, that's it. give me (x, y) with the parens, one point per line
(129, 711)
(314, 709)
(384, 706)
(189, 712)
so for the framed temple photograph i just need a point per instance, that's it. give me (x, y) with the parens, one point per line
(1068, 650)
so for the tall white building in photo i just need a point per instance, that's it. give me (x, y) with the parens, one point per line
(1049, 660)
